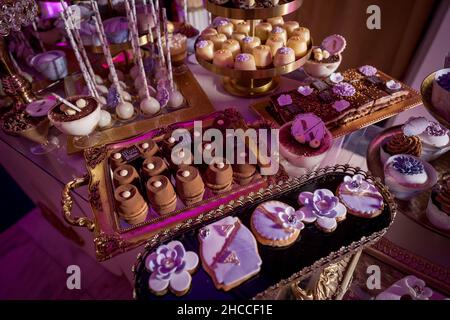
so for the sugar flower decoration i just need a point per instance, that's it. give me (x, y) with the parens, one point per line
(291, 219)
(341, 105)
(344, 89)
(284, 100)
(408, 165)
(368, 71)
(170, 265)
(322, 207)
(415, 126)
(162, 96)
(336, 77)
(393, 85)
(305, 90)
(436, 130)
(408, 288)
(357, 183)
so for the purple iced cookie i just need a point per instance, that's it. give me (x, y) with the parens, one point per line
(308, 129)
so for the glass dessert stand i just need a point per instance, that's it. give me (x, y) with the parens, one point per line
(259, 82)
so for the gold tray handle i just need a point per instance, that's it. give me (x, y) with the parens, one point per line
(67, 203)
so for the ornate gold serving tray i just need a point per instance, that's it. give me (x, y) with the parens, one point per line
(197, 104)
(284, 269)
(283, 8)
(262, 109)
(426, 90)
(112, 235)
(414, 209)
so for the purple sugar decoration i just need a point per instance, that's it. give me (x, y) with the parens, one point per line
(220, 22)
(247, 39)
(344, 89)
(284, 50)
(444, 81)
(408, 165)
(368, 71)
(202, 44)
(277, 29)
(436, 130)
(242, 57)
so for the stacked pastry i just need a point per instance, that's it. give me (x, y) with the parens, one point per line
(228, 44)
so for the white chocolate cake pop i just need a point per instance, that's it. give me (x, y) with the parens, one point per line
(105, 119)
(125, 110)
(176, 99)
(150, 106)
(98, 79)
(103, 90)
(101, 100)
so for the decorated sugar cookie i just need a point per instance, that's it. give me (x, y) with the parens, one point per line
(361, 197)
(323, 208)
(171, 268)
(276, 224)
(229, 253)
(308, 129)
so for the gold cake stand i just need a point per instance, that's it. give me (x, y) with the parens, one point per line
(261, 82)
(426, 90)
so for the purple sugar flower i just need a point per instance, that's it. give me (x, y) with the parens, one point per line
(368, 71)
(408, 165)
(166, 261)
(344, 89)
(436, 130)
(291, 219)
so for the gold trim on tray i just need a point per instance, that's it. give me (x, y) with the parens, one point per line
(198, 105)
(414, 209)
(281, 186)
(260, 108)
(286, 7)
(426, 90)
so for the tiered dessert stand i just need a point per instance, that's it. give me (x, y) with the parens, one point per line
(262, 81)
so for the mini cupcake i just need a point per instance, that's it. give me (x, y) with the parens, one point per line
(154, 166)
(245, 61)
(262, 30)
(401, 144)
(131, 206)
(263, 56)
(408, 176)
(322, 208)
(305, 141)
(125, 174)
(161, 194)
(205, 49)
(148, 148)
(233, 46)
(360, 197)
(248, 43)
(438, 211)
(219, 176)
(284, 56)
(189, 185)
(223, 58)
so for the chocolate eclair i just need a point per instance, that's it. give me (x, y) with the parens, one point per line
(154, 166)
(219, 176)
(148, 148)
(402, 144)
(189, 185)
(125, 174)
(131, 205)
(161, 194)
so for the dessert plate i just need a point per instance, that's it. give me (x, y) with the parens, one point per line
(414, 209)
(112, 235)
(282, 267)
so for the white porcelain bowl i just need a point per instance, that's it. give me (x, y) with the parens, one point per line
(80, 127)
(321, 70)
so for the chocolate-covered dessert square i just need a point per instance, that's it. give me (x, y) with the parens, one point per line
(369, 88)
(319, 85)
(352, 75)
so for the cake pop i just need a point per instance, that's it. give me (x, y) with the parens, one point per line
(150, 106)
(176, 99)
(142, 92)
(125, 110)
(105, 119)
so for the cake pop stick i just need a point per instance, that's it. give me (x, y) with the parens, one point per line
(150, 33)
(131, 26)
(162, 61)
(67, 103)
(83, 69)
(169, 58)
(185, 9)
(109, 60)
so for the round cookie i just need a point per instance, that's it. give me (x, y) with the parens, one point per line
(276, 224)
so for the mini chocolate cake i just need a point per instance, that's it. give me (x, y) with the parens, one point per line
(243, 173)
(116, 159)
(219, 177)
(154, 166)
(161, 194)
(125, 174)
(189, 185)
(148, 148)
(131, 205)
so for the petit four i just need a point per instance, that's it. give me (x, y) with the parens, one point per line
(299, 46)
(323, 208)
(207, 33)
(148, 148)
(161, 194)
(243, 27)
(407, 176)
(276, 224)
(243, 171)
(131, 206)
(205, 49)
(360, 197)
(262, 30)
(248, 43)
(125, 174)
(276, 21)
(438, 211)
(226, 28)
(171, 267)
(284, 56)
(245, 61)
(275, 43)
(229, 253)
(219, 176)
(263, 56)
(233, 46)
(218, 40)
(238, 36)
(441, 93)
(303, 33)
(280, 32)
(154, 166)
(189, 185)
(305, 141)
(290, 27)
(223, 58)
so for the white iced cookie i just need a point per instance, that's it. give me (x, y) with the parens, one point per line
(105, 119)
(150, 106)
(176, 99)
(125, 110)
(171, 267)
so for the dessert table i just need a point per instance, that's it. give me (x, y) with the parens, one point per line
(43, 178)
